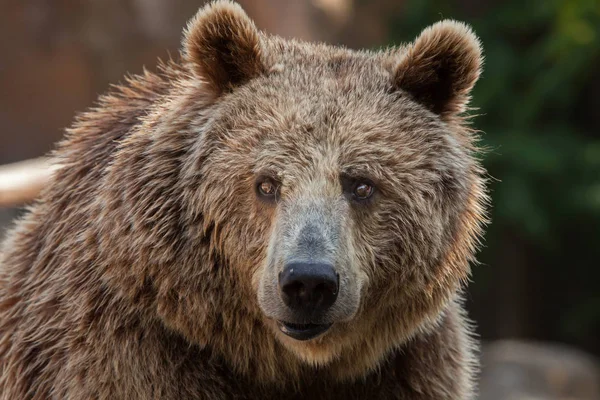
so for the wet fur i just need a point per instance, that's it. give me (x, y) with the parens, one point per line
(135, 274)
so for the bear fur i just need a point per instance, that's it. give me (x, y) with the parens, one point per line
(145, 269)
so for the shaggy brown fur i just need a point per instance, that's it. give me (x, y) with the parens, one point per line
(140, 271)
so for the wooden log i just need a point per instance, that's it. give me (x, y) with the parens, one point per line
(21, 182)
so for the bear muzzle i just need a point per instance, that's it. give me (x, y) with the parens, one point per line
(309, 290)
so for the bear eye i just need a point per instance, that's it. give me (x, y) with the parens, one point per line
(267, 188)
(356, 188)
(363, 190)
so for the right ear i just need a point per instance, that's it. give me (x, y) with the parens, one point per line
(441, 67)
(222, 45)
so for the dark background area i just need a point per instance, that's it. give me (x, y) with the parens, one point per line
(537, 104)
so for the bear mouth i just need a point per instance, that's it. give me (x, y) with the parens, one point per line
(302, 331)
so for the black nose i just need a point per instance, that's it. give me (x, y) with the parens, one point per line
(309, 288)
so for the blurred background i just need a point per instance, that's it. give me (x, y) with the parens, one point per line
(536, 295)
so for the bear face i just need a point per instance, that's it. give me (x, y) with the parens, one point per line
(273, 204)
(339, 188)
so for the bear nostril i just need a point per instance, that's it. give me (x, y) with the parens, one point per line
(292, 293)
(322, 288)
(308, 287)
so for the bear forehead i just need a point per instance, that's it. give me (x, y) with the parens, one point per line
(275, 113)
(316, 85)
(310, 133)
(311, 65)
(327, 105)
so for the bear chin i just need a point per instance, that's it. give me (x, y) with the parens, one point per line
(303, 332)
(317, 351)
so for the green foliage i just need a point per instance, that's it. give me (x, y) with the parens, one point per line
(539, 100)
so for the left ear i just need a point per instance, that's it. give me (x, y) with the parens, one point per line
(440, 67)
(222, 46)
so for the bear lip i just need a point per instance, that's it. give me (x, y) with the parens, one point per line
(302, 331)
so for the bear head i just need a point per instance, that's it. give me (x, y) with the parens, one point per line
(305, 204)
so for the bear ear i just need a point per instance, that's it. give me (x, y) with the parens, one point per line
(440, 67)
(222, 45)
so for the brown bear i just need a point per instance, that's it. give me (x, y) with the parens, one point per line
(263, 219)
